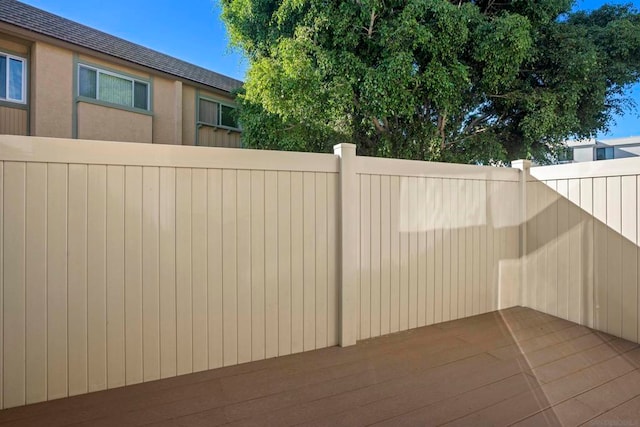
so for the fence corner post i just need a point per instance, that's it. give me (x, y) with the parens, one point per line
(348, 227)
(525, 167)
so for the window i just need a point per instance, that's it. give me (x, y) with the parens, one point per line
(216, 114)
(13, 78)
(565, 154)
(112, 88)
(604, 153)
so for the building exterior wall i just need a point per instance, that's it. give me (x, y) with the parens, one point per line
(622, 152)
(112, 124)
(195, 133)
(188, 115)
(51, 91)
(100, 121)
(53, 108)
(113, 66)
(212, 136)
(167, 117)
(14, 45)
(587, 154)
(14, 118)
(583, 154)
(13, 121)
(586, 150)
(216, 96)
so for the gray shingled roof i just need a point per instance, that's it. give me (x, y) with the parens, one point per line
(37, 20)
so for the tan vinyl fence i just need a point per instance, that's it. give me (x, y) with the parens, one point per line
(582, 244)
(124, 263)
(437, 242)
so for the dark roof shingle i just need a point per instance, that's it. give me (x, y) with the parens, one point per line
(30, 18)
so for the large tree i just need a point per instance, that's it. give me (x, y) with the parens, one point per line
(451, 80)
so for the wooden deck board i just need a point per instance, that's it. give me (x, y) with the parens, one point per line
(511, 366)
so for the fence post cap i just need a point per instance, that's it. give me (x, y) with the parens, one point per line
(344, 146)
(521, 164)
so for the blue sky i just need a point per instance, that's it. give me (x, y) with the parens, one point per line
(192, 30)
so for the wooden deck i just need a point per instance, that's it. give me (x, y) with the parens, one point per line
(513, 366)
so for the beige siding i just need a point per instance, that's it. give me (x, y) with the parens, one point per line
(216, 137)
(120, 274)
(112, 124)
(13, 121)
(583, 228)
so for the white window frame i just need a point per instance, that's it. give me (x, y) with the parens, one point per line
(133, 81)
(24, 78)
(220, 104)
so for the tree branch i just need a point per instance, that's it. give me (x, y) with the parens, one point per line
(475, 122)
(376, 123)
(455, 141)
(371, 22)
(442, 122)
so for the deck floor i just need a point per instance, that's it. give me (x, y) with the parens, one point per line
(515, 366)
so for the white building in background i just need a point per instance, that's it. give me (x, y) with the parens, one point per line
(587, 150)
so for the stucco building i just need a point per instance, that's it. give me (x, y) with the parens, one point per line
(59, 78)
(588, 150)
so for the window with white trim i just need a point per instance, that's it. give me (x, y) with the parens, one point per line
(13, 78)
(113, 88)
(216, 114)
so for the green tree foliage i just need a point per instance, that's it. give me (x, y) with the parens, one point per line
(465, 81)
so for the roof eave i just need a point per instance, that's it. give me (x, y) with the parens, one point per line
(35, 36)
